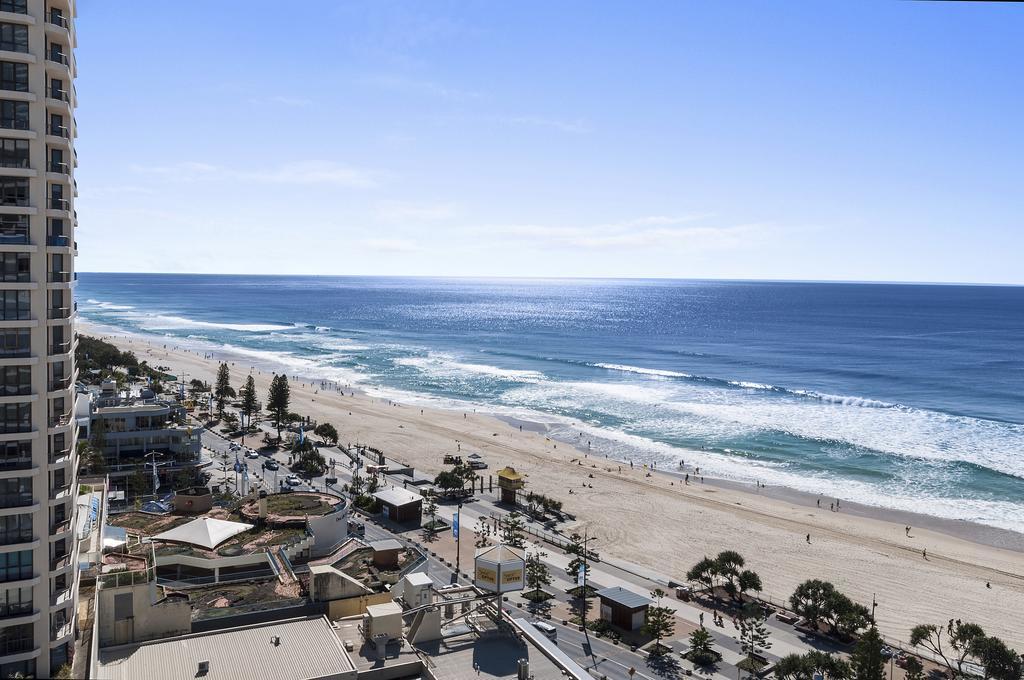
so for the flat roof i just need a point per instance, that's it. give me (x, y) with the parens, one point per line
(623, 597)
(419, 578)
(384, 609)
(308, 649)
(397, 497)
(386, 544)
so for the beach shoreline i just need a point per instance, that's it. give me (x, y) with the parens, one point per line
(859, 544)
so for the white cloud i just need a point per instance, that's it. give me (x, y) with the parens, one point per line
(391, 245)
(657, 231)
(304, 172)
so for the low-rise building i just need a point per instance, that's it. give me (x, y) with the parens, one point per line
(133, 429)
(623, 608)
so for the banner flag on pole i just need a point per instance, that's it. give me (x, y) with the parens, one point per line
(581, 575)
(455, 526)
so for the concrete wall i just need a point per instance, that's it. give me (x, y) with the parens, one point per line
(354, 606)
(149, 620)
(330, 530)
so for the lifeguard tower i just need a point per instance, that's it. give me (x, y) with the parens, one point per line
(510, 482)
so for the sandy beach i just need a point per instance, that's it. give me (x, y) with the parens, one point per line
(658, 522)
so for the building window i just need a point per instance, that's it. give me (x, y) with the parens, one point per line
(18, 669)
(15, 455)
(15, 381)
(13, 115)
(15, 529)
(14, 229)
(14, 418)
(16, 639)
(15, 566)
(16, 492)
(15, 344)
(17, 7)
(13, 37)
(13, 76)
(14, 153)
(15, 602)
(14, 267)
(14, 191)
(14, 305)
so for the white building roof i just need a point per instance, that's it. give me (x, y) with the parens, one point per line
(308, 649)
(397, 497)
(419, 578)
(205, 532)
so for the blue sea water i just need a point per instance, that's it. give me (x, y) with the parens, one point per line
(900, 396)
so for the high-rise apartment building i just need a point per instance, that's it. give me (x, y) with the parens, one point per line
(38, 547)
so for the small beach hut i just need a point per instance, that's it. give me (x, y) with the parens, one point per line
(623, 608)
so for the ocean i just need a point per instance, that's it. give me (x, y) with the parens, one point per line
(898, 396)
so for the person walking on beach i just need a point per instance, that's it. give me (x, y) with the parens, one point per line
(924, 553)
(908, 530)
(808, 539)
(819, 502)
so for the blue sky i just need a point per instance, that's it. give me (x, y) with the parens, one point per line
(859, 140)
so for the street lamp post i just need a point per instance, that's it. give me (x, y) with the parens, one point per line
(458, 541)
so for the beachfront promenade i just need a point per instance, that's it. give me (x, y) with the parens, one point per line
(588, 649)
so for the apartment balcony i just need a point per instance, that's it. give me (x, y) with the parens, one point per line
(58, 168)
(16, 501)
(59, 493)
(15, 236)
(55, 313)
(11, 646)
(58, 131)
(57, 94)
(61, 597)
(60, 277)
(59, 348)
(62, 204)
(60, 632)
(60, 530)
(62, 456)
(58, 241)
(13, 124)
(60, 420)
(56, 20)
(62, 562)
(58, 385)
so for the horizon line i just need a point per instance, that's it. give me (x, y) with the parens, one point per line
(879, 282)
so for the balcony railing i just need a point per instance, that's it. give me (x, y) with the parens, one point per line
(20, 163)
(60, 527)
(60, 420)
(15, 645)
(14, 236)
(60, 347)
(60, 597)
(59, 241)
(62, 168)
(59, 313)
(60, 562)
(58, 384)
(60, 277)
(60, 630)
(59, 131)
(59, 492)
(60, 456)
(58, 203)
(13, 124)
(62, 95)
(57, 20)
(58, 57)
(16, 500)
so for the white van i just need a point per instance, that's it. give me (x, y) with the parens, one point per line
(549, 631)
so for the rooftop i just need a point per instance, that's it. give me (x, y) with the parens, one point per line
(205, 532)
(386, 544)
(623, 597)
(397, 497)
(305, 649)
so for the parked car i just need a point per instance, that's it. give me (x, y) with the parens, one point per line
(356, 528)
(477, 464)
(271, 464)
(251, 454)
(234, 446)
(330, 481)
(292, 480)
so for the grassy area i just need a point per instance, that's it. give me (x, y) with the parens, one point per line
(292, 504)
(147, 524)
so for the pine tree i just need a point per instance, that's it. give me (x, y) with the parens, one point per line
(701, 650)
(249, 403)
(513, 531)
(575, 548)
(537, 573)
(223, 390)
(753, 633)
(277, 401)
(431, 509)
(866, 661)
(660, 622)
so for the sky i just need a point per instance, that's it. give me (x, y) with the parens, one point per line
(819, 140)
